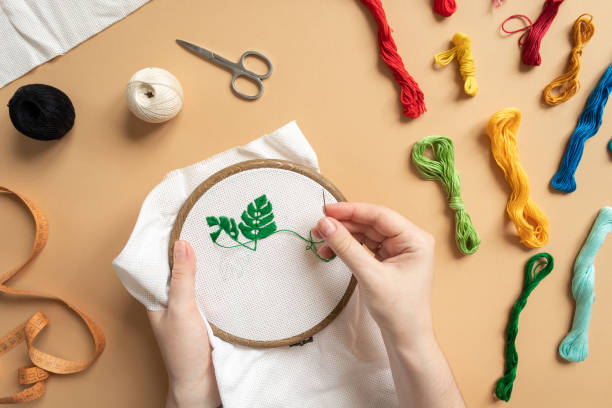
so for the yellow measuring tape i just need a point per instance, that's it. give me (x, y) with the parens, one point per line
(43, 364)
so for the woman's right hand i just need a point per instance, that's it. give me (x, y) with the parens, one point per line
(396, 287)
(396, 282)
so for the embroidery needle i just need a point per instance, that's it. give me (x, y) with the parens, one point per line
(324, 204)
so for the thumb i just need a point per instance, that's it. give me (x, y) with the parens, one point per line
(342, 242)
(182, 281)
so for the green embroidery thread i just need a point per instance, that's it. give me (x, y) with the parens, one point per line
(257, 223)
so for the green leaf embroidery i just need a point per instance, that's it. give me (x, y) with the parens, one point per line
(257, 223)
(225, 224)
(258, 220)
(212, 221)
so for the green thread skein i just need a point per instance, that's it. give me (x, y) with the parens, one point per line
(575, 346)
(442, 168)
(537, 268)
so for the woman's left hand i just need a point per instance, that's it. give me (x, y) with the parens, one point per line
(183, 339)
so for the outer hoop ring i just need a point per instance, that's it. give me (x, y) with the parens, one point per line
(230, 171)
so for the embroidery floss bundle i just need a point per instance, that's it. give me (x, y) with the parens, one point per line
(532, 38)
(567, 84)
(412, 98)
(575, 346)
(588, 125)
(442, 168)
(445, 8)
(530, 222)
(154, 95)
(463, 52)
(538, 267)
(41, 112)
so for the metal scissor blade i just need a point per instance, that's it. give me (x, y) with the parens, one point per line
(202, 52)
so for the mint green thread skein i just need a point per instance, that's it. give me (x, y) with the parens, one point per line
(575, 346)
(442, 168)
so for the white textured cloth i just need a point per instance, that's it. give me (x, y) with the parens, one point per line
(345, 366)
(279, 289)
(34, 31)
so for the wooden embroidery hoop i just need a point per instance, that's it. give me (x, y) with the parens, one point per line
(235, 169)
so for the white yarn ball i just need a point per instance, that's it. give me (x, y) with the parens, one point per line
(154, 95)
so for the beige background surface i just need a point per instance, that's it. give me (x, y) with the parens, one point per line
(327, 77)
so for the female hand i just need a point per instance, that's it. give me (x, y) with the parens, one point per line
(183, 339)
(396, 287)
(396, 282)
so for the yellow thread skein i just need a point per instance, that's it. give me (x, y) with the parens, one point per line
(530, 222)
(567, 84)
(463, 52)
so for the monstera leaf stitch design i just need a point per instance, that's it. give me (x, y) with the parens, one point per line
(257, 222)
(225, 224)
(258, 219)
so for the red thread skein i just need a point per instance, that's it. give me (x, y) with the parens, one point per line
(531, 47)
(412, 98)
(445, 8)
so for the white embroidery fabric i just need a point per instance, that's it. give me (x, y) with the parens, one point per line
(345, 366)
(34, 31)
(280, 289)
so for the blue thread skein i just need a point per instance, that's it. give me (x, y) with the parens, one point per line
(588, 125)
(575, 346)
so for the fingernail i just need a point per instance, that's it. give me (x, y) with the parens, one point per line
(315, 234)
(326, 227)
(180, 250)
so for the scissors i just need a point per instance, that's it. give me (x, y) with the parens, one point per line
(238, 69)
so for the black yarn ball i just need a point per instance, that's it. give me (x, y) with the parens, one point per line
(41, 112)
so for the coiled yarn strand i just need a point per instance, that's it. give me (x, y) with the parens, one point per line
(535, 32)
(588, 125)
(442, 168)
(412, 98)
(445, 8)
(575, 346)
(538, 267)
(463, 52)
(530, 222)
(567, 84)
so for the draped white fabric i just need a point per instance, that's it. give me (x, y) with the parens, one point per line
(345, 366)
(34, 31)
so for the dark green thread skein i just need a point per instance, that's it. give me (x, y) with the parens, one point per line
(537, 268)
(442, 168)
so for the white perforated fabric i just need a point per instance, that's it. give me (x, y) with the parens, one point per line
(345, 365)
(280, 289)
(35, 31)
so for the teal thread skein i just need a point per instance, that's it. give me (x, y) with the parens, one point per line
(575, 346)
(442, 168)
(538, 267)
(588, 125)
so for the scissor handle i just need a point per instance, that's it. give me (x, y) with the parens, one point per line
(261, 57)
(250, 77)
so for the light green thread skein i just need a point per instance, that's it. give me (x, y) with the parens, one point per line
(442, 168)
(575, 346)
